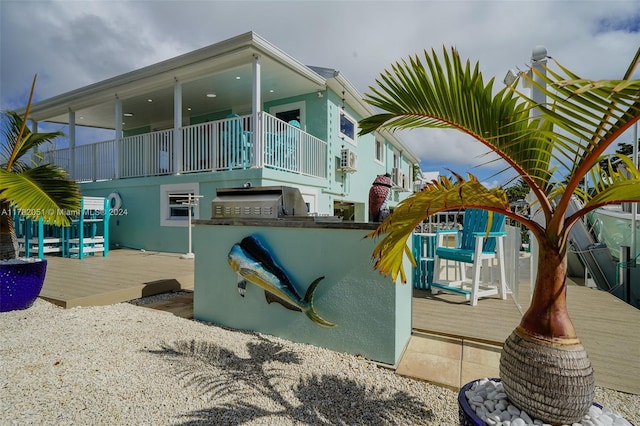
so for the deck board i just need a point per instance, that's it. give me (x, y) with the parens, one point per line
(121, 276)
(606, 325)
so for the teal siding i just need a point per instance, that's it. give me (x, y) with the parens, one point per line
(139, 225)
(139, 131)
(315, 109)
(210, 116)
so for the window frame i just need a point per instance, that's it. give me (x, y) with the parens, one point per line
(379, 150)
(173, 190)
(300, 106)
(342, 114)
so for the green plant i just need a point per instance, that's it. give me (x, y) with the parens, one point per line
(544, 367)
(35, 190)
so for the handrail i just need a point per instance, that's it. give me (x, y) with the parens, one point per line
(218, 145)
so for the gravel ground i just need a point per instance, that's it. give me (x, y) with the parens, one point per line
(127, 365)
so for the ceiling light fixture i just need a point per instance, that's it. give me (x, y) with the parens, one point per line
(237, 77)
(128, 114)
(211, 95)
(149, 100)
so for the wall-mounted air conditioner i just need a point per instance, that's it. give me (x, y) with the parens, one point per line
(348, 160)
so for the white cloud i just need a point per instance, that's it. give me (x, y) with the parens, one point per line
(72, 44)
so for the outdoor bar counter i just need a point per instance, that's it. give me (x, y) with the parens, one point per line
(372, 315)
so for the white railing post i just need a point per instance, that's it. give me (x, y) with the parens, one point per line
(147, 148)
(177, 127)
(94, 162)
(34, 151)
(72, 144)
(118, 143)
(256, 106)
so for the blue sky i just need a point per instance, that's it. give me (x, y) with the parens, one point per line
(71, 44)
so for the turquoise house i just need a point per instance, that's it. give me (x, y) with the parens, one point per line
(235, 112)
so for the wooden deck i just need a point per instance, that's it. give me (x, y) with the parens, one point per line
(121, 276)
(606, 325)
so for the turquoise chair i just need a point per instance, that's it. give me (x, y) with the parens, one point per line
(236, 147)
(292, 143)
(474, 245)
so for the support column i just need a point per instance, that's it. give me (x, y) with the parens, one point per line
(177, 127)
(72, 144)
(256, 114)
(538, 61)
(35, 152)
(118, 127)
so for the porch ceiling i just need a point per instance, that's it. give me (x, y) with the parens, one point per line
(212, 69)
(232, 87)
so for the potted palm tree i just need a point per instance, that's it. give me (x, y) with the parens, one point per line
(36, 191)
(544, 367)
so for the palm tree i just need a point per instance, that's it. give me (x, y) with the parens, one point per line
(544, 367)
(35, 190)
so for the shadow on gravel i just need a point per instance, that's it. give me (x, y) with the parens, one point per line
(233, 384)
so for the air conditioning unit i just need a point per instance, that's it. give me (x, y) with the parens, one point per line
(348, 160)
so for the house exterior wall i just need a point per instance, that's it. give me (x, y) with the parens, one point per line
(141, 223)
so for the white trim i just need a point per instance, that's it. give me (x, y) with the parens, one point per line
(383, 148)
(300, 105)
(165, 191)
(177, 127)
(353, 141)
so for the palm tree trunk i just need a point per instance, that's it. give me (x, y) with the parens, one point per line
(8, 240)
(544, 367)
(547, 315)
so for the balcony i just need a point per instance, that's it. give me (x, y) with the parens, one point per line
(220, 145)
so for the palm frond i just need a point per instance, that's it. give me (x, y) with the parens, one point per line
(438, 196)
(620, 184)
(44, 191)
(593, 113)
(444, 92)
(14, 150)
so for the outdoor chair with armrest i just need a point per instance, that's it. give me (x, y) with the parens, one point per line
(236, 143)
(474, 246)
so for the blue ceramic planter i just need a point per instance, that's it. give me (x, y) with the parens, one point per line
(20, 284)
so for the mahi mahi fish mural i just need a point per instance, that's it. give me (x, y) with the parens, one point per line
(253, 263)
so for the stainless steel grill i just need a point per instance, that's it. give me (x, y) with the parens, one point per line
(265, 202)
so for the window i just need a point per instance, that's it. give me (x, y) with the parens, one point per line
(288, 112)
(177, 208)
(347, 128)
(172, 210)
(379, 154)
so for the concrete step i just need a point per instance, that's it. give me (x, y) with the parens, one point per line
(448, 361)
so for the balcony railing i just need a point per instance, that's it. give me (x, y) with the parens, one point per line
(206, 147)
